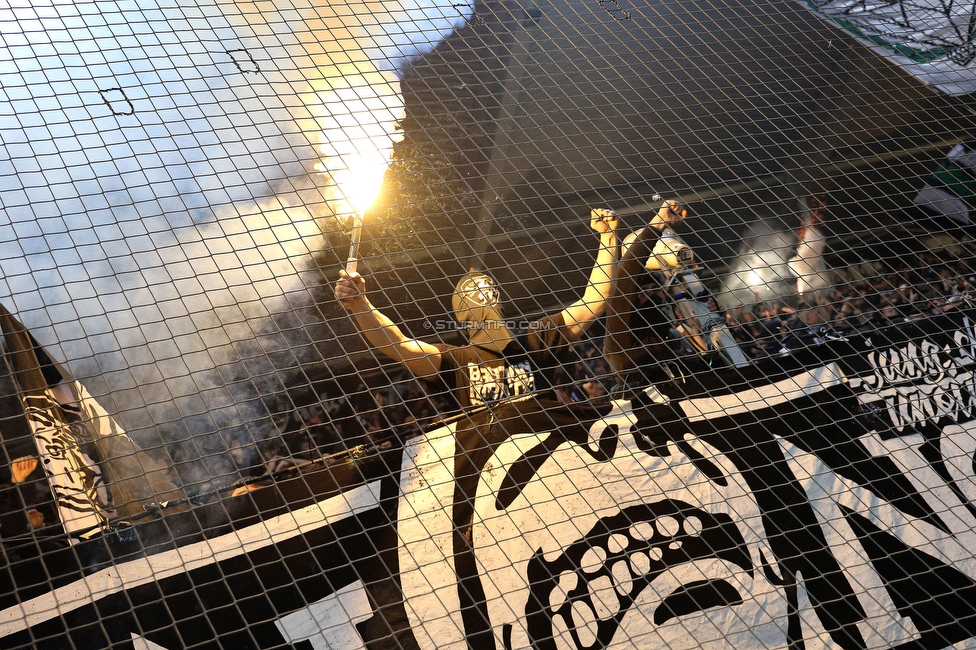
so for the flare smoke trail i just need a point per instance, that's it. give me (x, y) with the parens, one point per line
(158, 183)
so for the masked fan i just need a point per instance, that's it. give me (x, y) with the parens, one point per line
(500, 359)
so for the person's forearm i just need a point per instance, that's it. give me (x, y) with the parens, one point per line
(422, 359)
(379, 330)
(593, 304)
(604, 271)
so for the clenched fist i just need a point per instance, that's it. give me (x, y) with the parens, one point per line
(604, 220)
(350, 291)
(669, 215)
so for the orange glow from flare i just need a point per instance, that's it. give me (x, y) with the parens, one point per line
(359, 182)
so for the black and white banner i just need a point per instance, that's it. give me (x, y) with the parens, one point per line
(825, 499)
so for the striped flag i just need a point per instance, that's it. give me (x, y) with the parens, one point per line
(93, 469)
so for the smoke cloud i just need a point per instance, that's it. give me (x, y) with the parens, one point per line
(162, 169)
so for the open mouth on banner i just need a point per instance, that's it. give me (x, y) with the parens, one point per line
(588, 538)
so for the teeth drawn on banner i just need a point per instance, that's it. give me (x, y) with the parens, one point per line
(597, 535)
(637, 546)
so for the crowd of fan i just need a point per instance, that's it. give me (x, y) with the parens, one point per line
(888, 294)
(404, 406)
(912, 288)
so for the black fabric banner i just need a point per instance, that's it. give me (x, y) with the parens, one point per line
(824, 498)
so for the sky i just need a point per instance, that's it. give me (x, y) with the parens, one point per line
(166, 167)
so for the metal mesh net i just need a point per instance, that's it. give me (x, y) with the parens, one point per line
(709, 384)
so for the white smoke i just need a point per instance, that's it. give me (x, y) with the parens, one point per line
(158, 180)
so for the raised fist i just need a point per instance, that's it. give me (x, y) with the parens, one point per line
(670, 214)
(604, 220)
(22, 468)
(350, 290)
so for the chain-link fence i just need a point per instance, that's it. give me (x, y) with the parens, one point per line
(493, 325)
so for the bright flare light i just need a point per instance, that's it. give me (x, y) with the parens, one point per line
(358, 117)
(359, 182)
(359, 114)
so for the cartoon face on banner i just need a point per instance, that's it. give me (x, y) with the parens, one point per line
(608, 543)
(610, 550)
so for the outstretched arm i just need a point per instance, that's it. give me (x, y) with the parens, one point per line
(420, 358)
(593, 304)
(619, 345)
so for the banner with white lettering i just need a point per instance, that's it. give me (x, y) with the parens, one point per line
(821, 499)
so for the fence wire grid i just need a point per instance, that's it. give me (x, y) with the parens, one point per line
(492, 325)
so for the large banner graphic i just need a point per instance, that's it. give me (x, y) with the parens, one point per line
(821, 499)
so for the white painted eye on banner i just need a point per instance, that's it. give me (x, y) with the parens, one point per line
(636, 548)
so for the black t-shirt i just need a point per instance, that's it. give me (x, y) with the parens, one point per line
(480, 376)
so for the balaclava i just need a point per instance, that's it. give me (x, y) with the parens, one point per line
(477, 306)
